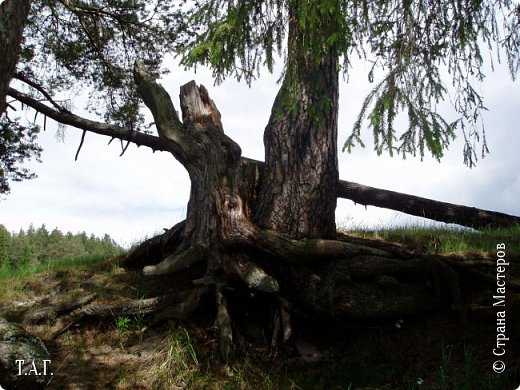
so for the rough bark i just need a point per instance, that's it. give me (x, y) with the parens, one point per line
(178, 306)
(423, 207)
(13, 15)
(311, 277)
(301, 168)
(219, 202)
(359, 193)
(322, 278)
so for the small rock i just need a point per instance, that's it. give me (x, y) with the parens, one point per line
(17, 344)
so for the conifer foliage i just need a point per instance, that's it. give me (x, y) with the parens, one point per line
(35, 246)
(418, 54)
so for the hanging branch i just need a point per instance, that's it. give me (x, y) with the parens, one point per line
(80, 144)
(22, 77)
(124, 149)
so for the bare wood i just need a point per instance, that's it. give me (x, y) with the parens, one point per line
(198, 108)
(359, 193)
(285, 320)
(252, 275)
(51, 312)
(224, 327)
(177, 261)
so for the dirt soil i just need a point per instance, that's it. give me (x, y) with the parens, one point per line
(437, 352)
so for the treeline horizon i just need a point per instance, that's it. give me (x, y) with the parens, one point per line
(33, 246)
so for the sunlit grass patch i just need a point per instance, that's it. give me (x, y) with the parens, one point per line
(8, 272)
(432, 239)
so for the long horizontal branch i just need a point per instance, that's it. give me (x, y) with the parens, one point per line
(423, 207)
(415, 205)
(359, 193)
(22, 77)
(68, 118)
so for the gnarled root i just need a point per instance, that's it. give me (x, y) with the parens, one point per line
(153, 250)
(172, 306)
(51, 312)
(224, 326)
(177, 262)
(334, 280)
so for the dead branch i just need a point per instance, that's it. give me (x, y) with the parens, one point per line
(100, 128)
(22, 77)
(80, 145)
(51, 312)
(423, 207)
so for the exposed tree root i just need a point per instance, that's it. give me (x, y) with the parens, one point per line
(252, 275)
(177, 261)
(51, 312)
(173, 306)
(224, 326)
(155, 249)
(333, 279)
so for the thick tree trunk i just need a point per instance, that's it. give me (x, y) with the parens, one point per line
(301, 169)
(13, 15)
(314, 277)
(359, 193)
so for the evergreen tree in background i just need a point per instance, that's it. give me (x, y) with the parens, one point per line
(272, 225)
(5, 239)
(37, 246)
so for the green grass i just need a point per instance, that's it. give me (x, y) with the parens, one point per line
(446, 240)
(7, 272)
(183, 360)
(182, 363)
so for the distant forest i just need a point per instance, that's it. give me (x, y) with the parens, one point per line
(37, 245)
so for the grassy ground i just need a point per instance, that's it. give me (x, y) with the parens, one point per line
(446, 240)
(12, 280)
(7, 272)
(435, 354)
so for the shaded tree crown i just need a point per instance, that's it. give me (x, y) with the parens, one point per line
(75, 46)
(410, 43)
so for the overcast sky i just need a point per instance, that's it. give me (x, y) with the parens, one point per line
(141, 193)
